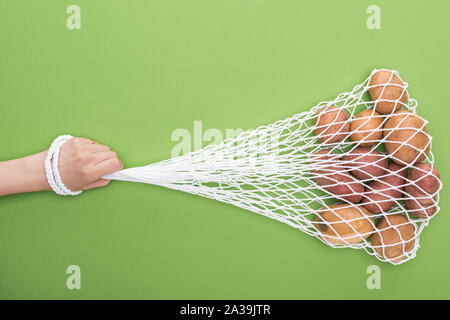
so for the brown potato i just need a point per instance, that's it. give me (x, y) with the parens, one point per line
(406, 138)
(344, 224)
(421, 193)
(334, 178)
(365, 163)
(332, 124)
(386, 85)
(394, 237)
(382, 194)
(366, 128)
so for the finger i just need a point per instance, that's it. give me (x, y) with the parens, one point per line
(97, 147)
(99, 157)
(84, 140)
(106, 167)
(97, 184)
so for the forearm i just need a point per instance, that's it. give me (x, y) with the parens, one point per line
(23, 175)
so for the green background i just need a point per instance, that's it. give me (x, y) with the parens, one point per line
(138, 70)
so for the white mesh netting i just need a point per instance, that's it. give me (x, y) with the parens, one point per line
(353, 172)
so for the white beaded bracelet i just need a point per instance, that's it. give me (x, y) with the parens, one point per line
(51, 168)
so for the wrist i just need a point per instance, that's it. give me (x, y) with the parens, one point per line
(34, 171)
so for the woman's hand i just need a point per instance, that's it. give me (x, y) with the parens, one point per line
(82, 163)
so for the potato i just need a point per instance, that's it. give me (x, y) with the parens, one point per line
(382, 194)
(332, 124)
(365, 163)
(334, 178)
(394, 237)
(366, 128)
(422, 208)
(386, 85)
(343, 224)
(406, 136)
(421, 192)
(425, 178)
(322, 159)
